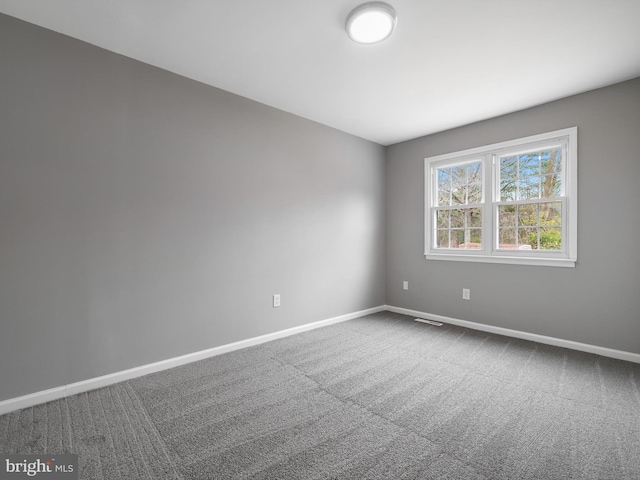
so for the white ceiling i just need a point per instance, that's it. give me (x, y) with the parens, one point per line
(449, 62)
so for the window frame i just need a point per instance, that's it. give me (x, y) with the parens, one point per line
(489, 155)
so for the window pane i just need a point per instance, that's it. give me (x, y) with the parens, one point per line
(508, 190)
(460, 184)
(475, 239)
(443, 218)
(444, 197)
(508, 167)
(459, 228)
(457, 238)
(507, 238)
(459, 195)
(531, 175)
(475, 193)
(457, 218)
(551, 186)
(550, 238)
(528, 215)
(529, 164)
(551, 214)
(474, 172)
(507, 215)
(474, 217)
(459, 175)
(528, 188)
(527, 238)
(442, 239)
(444, 178)
(444, 186)
(551, 160)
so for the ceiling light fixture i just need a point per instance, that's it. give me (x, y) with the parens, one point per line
(371, 22)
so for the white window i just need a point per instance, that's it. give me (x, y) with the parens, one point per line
(511, 202)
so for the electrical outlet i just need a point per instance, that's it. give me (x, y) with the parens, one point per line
(276, 300)
(405, 285)
(466, 294)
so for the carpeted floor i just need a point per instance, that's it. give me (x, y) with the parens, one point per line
(379, 397)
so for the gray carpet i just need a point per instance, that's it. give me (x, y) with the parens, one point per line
(379, 397)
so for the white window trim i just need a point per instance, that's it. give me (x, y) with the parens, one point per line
(490, 254)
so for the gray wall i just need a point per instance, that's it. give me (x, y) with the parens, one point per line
(145, 216)
(598, 302)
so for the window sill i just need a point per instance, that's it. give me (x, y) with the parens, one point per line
(503, 259)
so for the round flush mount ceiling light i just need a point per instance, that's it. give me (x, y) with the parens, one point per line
(371, 22)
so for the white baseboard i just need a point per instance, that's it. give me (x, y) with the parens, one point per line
(558, 342)
(37, 398)
(44, 396)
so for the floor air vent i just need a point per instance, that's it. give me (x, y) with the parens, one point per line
(430, 322)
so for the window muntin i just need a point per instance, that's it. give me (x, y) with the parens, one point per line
(530, 199)
(512, 202)
(532, 174)
(458, 211)
(530, 226)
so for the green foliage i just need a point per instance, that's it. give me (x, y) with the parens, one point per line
(550, 239)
